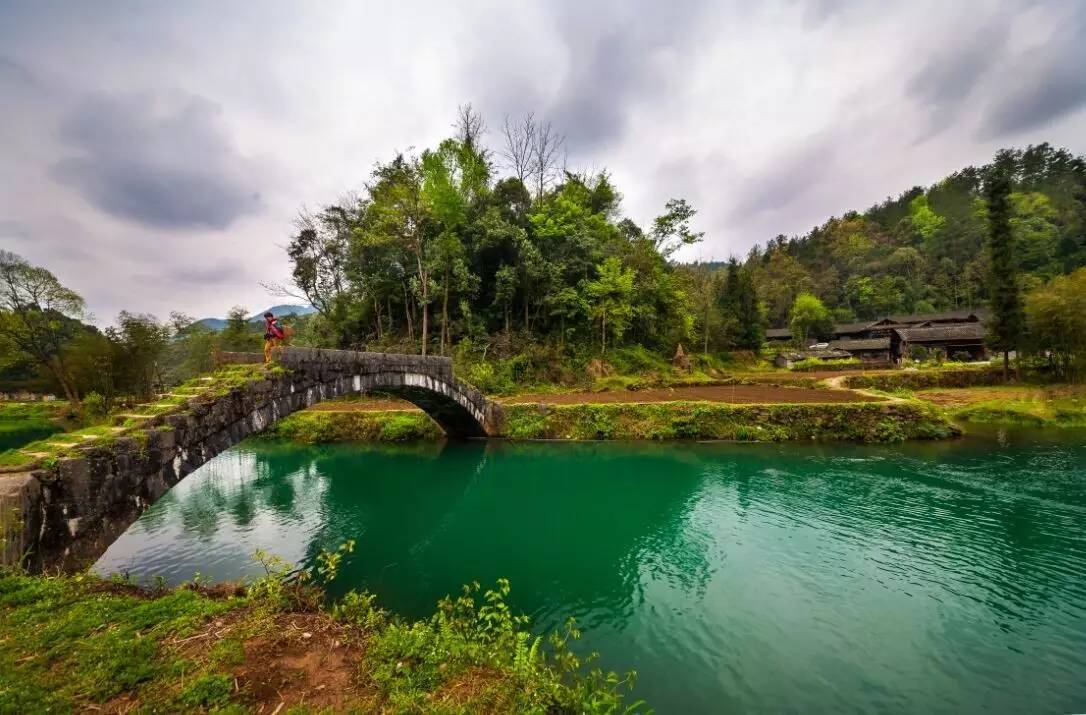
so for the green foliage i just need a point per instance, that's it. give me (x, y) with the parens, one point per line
(238, 335)
(861, 422)
(609, 299)
(1006, 324)
(38, 316)
(1056, 322)
(809, 319)
(949, 376)
(814, 364)
(100, 643)
(95, 406)
(207, 691)
(440, 237)
(925, 250)
(77, 643)
(408, 662)
(1043, 408)
(321, 427)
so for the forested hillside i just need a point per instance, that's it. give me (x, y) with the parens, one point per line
(925, 249)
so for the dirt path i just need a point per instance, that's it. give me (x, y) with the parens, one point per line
(731, 394)
(734, 394)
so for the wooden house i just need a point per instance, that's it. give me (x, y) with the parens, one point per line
(869, 350)
(965, 338)
(888, 339)
(788, 358)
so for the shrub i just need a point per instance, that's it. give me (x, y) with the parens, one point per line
(95, 406)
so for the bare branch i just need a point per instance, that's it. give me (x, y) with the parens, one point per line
(519, 138)
(548, 157)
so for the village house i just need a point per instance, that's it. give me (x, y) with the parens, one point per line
(868, 350)
(788, 358)
(963, 340)
(890, 339)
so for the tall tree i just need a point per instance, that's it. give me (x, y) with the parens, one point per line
(671, 229)
(1006, 323)
(1056, 318)
(741, 300)
(38, 316)
(810, 319)
(609, 299)
(398, 214)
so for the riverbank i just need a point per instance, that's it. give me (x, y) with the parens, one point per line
(1054, 406)
(81, 644)
(863, 421)
(23, 422)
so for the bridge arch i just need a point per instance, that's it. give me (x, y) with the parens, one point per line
(69, 512)
(426, 381)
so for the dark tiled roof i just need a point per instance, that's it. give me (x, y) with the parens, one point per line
(866, 344)
(965, 331)
(966, 314)
(820, 354)
(778, 333)
(846, 328)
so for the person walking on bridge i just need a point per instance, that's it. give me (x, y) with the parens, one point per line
(273, 335)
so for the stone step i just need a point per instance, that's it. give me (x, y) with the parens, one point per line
(117, 419)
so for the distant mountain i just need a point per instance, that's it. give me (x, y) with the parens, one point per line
(217, 324)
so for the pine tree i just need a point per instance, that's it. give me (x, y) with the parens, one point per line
(1006, 325)
(741, 301)
(749, 312)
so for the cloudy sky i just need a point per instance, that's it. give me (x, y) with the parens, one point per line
(153, 155)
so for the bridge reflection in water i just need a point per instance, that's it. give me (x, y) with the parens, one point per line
(69, 512)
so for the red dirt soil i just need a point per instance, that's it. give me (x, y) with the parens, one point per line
(731, 394)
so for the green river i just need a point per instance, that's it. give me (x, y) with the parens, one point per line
(946, 577)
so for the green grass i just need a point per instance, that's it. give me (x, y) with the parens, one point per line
(1035, 411)
(217, 384)
(926, 379)
(861, 422)
(67, 642)
(80, 644)
(323, 427)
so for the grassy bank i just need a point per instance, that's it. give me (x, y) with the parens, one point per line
(324, 426)
(926, 379)
(82, 644)
(1034, 406)
(860, 422)
(24, 422)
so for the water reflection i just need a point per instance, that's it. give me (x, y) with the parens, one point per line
(930, 577)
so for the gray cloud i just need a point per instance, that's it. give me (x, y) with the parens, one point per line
(207, 275)
(949, 77)
(612, 63)
(14, 231)
(14, 73)
(815, 12)
(1048, 83)
(162, 162)
(787, 178)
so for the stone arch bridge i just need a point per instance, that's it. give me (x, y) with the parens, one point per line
(63, 512)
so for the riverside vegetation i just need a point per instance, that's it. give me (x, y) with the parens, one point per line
(859, 422)
(81, 643)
